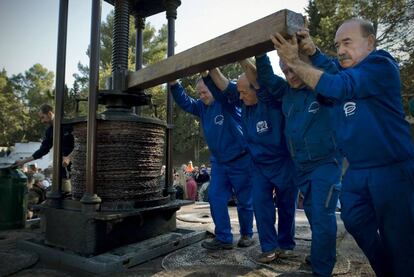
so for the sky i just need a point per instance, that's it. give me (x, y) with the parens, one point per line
(28, 28)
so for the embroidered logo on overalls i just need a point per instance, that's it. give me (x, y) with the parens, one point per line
(314, 107)
(349, 108)
(219, 119)
(261, 127)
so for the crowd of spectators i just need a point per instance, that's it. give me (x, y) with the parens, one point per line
(39, 181)
(191, 182)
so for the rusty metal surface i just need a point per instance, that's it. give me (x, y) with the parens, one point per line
(129, 157)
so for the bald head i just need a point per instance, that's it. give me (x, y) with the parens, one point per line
(366, 27)
(246, 91)
(293, 80)
(243, 81)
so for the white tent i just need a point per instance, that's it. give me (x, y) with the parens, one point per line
(23, 150)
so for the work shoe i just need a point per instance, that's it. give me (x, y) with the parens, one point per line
(215, 244)
(245, 241)
(285, 254)
(266, 257)
(308, 259)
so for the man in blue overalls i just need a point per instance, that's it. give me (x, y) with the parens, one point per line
(231, 164)
(378, 187)
(273, 171)
(310, 135)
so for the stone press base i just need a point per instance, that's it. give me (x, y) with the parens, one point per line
(90, 234)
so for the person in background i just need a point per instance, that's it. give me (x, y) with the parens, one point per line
(191, 188)
(189, 169)
(162, 176)
(46, 116)
(32, 168)
(202, 176)
(179, 191)
(182, 178)
(36, 195)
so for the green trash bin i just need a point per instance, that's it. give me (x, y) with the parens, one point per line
(13, 198)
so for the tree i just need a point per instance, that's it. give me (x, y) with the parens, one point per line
(391, 19)
(154, 50)
(12, 115)
(407, 80)
(33, 88)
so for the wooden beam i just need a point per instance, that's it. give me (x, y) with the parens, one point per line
(247, 41)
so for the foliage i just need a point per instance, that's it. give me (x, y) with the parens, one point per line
(20, 98)
(12, 113)
(407, 80)
(32, 89)
(391, 19)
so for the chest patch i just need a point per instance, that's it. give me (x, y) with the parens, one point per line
(219, 119)
(349, 108)
(314, 107)
(261, 127)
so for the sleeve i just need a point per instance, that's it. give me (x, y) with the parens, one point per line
(231, 101)
(229, 98)
(184, 101)
(322, 61)
(71, 140)
(232, 95)
(363, 81)
(68, 141)
(274, 87)
(265, 96)
(327, 64)
(47, 144)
